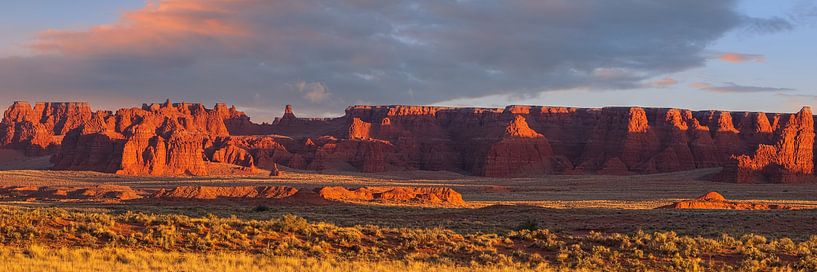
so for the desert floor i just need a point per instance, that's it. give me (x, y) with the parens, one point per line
(573, 204)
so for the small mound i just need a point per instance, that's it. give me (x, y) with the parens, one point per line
(216, 192)
(395, 195)
(716, 201)
(711, 196)
(97, 193)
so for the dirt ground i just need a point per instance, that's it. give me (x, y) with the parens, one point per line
(567, 204)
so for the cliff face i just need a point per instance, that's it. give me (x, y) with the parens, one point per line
(520, 151)
(156, 139)
(179, 139)
(789, 157)
(39, 130)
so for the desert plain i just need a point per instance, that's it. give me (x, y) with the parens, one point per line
(559, 223)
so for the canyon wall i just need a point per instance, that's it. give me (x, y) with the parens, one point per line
(184, 139)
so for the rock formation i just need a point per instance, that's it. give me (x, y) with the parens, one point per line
(157, 139)
(716, 201)
(38, 130)
(92, 193)
(359, 129)
(274, 171)
(790, 158)
(321, 196)
(520, 151)
(216, 192)
(186, 139)
(394, 195)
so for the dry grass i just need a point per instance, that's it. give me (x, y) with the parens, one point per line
(57, 239)
(39, 258)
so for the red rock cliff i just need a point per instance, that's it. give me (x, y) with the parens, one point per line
(790, 158)
(181, 138)
(39, 130)
(156, 139)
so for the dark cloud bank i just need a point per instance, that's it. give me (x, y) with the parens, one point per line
(324, 55)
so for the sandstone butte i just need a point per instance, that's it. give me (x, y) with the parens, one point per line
(187, 139)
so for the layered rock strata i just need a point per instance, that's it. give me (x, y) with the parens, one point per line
(183, 139)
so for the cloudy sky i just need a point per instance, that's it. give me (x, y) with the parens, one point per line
(322, 56)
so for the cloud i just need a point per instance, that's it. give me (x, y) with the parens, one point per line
(661, 83)
(767, 25)
(250, 52)
(170, 27)
(313, 91)
(738, 57)
(729, 87)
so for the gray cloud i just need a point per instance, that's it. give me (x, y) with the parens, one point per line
(665, 82)
(804, 12)
(767, 25)
(729, 87)
(255, 53)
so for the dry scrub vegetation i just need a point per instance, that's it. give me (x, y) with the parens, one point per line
(69, 240)
(38, 258)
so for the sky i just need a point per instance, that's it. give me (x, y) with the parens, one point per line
(322, 56)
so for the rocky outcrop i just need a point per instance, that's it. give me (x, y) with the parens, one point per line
(716, 201)
(789, 159)
(342, 193)
(394, 195)
(322, 196)
(91, 193)
(156, 139)
(359, 129)
(217, 192)
(288, 119)
(184, 139)
(275, 172)
(166, 149)
(520, 151)
(622, 141)
(230, 153)
(39, 130)
(711, 196)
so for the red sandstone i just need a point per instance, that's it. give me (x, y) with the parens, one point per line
(92, 193)
(217, 192)
(181, 138)
(715, 201)
(394, 195)
(321, 196)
